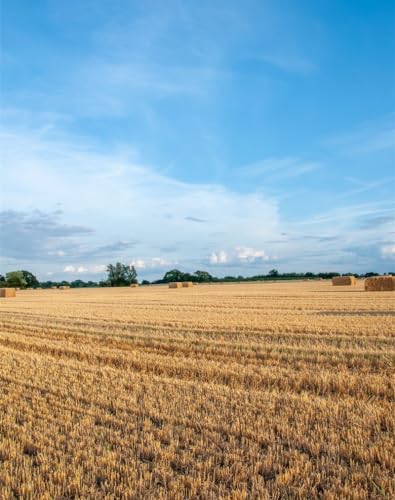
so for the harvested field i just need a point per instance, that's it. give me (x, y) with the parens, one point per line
(225, 391)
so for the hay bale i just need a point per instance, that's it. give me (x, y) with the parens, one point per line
(380, 284)
(64, 287)
(187, 284)
(54, 287)
(175, 284)
(7, 292)
(344, 280)
(134, 285)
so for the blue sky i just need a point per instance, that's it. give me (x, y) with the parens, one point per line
(229, 136)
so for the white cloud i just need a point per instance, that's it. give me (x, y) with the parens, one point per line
(388, 251)
(69, 269)
(247, 254)
(154, 263)
(75, 270)
(139, 263)
(99, 269)
(220, 257)
(57, 253)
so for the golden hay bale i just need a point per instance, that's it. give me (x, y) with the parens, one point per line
(134, 285)
(344, 280)
(63, 287)
(175, 284)
(380, 284)
(187, 284)
(54, 287)
(7, 292)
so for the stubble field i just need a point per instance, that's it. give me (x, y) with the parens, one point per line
(225, 391)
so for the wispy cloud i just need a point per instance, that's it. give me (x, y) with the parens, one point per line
(370, 137)
(278, 169)
(287, 61)
(112, 207)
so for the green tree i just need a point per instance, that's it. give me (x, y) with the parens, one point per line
(2, 280)
(15, 279)
(203, 276)
(173, 275)
(121, 274)
(273, 272)
(31, 280)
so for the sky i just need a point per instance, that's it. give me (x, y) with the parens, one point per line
(229, 136)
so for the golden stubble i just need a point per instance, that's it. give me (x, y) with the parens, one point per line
(216, 391)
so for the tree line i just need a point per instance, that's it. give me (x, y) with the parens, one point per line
(119, 274)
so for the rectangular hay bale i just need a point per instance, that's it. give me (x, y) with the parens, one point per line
(380, 284)
(134, 285)
(187, 284)
(7, 292)
(344, 280)
(175, 284)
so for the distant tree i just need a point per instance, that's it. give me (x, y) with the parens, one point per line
(203, 276)
(273, 272)
(173, 275)
(2, 280)
(121, 274)
(31, 280)
(77, 284)
(15, 279)
(145, 282)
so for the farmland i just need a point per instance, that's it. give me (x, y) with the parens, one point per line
(233, 391)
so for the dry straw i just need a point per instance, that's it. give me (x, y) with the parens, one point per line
(175, 284)
(380, 284)
(64, 287)
(7, 292)
(134, 285)
(344, 280)
(187, 284)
